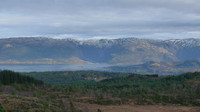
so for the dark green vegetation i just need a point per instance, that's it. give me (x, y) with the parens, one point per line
(151, 89)
(19, 93)
(9, 77)
(22, 92)
(74, 77)
(2, 109)
(120, 88)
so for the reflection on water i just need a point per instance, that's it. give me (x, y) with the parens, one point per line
(52, 67)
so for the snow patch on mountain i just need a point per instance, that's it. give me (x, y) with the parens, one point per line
(184, 42)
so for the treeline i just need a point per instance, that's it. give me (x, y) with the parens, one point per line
(9, 77)
(183, 89)
(74, 77)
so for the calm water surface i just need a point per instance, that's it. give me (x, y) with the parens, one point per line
(52, 67)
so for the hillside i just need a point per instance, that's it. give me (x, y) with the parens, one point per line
(98, 91)
(8, 77)
(20, 93)
(183, 89)
(38, 50)
(74, 77)
(121, 88)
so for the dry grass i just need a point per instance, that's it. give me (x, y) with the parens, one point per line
(138, 108)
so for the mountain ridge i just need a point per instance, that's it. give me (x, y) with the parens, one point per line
(112, 51)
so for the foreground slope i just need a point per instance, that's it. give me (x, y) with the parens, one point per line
(112, 92)
(26, 94)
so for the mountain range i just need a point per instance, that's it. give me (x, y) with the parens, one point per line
(112, 51)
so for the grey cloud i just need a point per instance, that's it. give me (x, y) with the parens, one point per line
(98, 17)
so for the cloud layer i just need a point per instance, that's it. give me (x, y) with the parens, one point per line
(159, 18)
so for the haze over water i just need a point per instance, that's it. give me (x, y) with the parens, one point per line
(52, 67)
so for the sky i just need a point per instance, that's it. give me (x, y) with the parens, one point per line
(161, 19)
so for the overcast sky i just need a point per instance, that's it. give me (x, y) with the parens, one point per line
(100, 18)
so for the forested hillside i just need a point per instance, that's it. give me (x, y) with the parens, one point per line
(182, 89)
(20, 93)
(66, 91)
(8, 77)
(74, 77)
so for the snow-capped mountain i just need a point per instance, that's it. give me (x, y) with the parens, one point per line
(114, 51)
(184, 42)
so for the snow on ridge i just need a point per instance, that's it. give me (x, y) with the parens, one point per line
(107, 42)
(190, 42)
